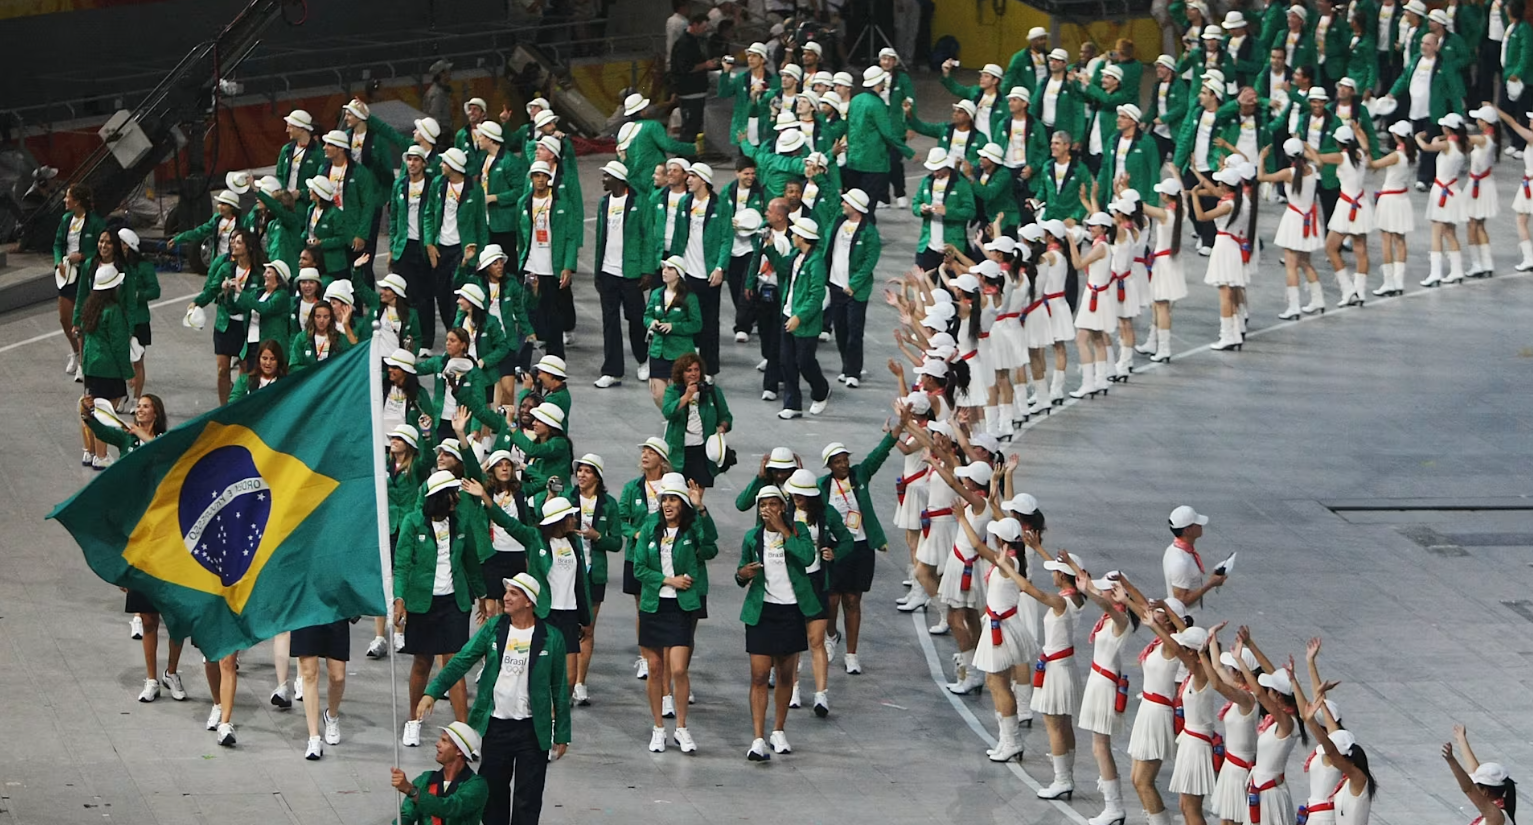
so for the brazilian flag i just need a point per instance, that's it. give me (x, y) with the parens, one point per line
(253, 519)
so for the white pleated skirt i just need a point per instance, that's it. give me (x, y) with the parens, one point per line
(907, 513)
(1193, 772)
(1521, 203)
(1225, 267)
(1057, 696)
(1098, 703)
(1152, 739)
(1167, 281)
(1487, 205)
(1060, 320)
(1343, 221)
(937, 542)
(1016, 647)
(1277, 806)
(950, 588)
(1011, 351)
(1133, 298)
(1101, 319)
(1290, 232)
(1453, 209)
(1394, 214)
(1229, 800)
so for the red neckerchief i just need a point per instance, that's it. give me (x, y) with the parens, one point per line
(1187, 548)
(1101, 623)
(1148, 649)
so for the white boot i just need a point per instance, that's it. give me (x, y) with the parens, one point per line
(1147, 345)
(1040, 397)
(1228, 339)
(1455, 267)
(1162, 818)
(1063, 786)
(1316, 300)
(1487, 261)
(1474, 260)
(1344, 283)
(1125, 364)
(1387, 282)
(993, 420)
(1292, 310)
(1400, 277)
(999, 725)
(1112, 804)
(1102, 377)
(1057, 387)
(1023, 690)
(970, 678)
(1162, 346)
(1004, 428)
(1008, 745)
(1527, 256)
(1359, 284)
(1088, 380)
(1435, 270)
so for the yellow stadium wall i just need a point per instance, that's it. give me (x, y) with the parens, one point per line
(986, 37)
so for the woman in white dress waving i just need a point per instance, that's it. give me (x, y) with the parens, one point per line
(1392, 209)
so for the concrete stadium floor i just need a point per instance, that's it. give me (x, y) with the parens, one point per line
(1419, 401)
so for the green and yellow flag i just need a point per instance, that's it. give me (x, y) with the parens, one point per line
(258, 517)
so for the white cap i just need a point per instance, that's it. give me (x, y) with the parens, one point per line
(1169, 186)
(472, 293)
(842, 79)
(770, 491)
(284, 272)
(269, 185)
(1278, 681)
(1006, 529)
(1401, 128)
(1185, 516)
(493, 131)
(1293, 147)
(538, 103)
(934, 367)
(993, 153)
(1099, 219)
(341, 291)
(1132, 111)
(1485, 113)
(1303, 14)
(834, 448)
(1020, 93)
(986, 442)
(1234, 20)
(1440, 17)
(940, 427)
(1166, 60)
(937, 158)
(1490, 774)
(813, 46)
(1212, 32)
(1417, 7)
(498, 456)
(857, 199)
(556, 510)
(1330, 707)
(1343, 740)
(822, 77)
(553, 365)
(540, 167)
(442, 479)
(490, 254)
(806, 228)
(747, 221)
(455, 159)
(1005, 244)
(966, 282)
(1036, 32)
(635, 103)
(1193, 637)
(675, 262)
(552, 144)
(616, 169)
(1059, 565)
(1228, 176)
(309, 273)
(888, 52)
(758, 49)
(549, 414)
(412, 151)
(238, 181)
(1451, 120)
(1227, 659)
(1317, 93)
(407, 434)
(918, 402)
(792, 70)
(1060, 54)
(358, 109)
(1114, 72)
(1348, 82)
(228, 198)
(1344, 134)
(300, 119)
(1033, 232)
(107, 277)
(976, 471)
(1022, 503)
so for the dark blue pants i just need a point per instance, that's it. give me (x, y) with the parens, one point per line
(448, 258)
(620, 297)
(511, 752)
(849, 318)
(798, 359)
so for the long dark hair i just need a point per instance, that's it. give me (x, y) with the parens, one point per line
(813, 513)
(411, 386)
(1248, 190)
(1504, 795)
(1353, 151)
(1408, 146)
(1359, 758)
(275, 347)
(438, 506)
(95, 304)
(1176, 223)
(1299, 164)
(317, 255)
(252, 248)
(683, 521)
(957, 379)
(159, 426)
(975, 310)
(119, 260)
(333, 334)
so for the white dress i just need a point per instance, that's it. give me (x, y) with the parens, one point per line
(1153, 738)
(1522, 202)
(1125, 294)
(1057, 696)
(1355, 810)
(1481, 187)
(1445, 198)
(907, 513)
(1004, 640)
(1010, 341)
(1225, 264)
(1392, 204)
(937, 539)
(1194, 769)
(1055, 306)
(973, 355)
(988, 360)
(1301, 212)
(1167, 281)
(1141, 272)
(1099, 712)
(1271, 759)
(1323, 779)
(963, 571)
(1239, 755)
(1095, 311)
(1354, 209)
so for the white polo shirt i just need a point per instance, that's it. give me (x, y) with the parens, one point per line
(1180, 570)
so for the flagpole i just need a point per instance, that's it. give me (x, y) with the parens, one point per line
(381, 496)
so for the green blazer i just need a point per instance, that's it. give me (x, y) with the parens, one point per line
(145, 288)
(404, 485)
(718, 235)
(105, 352)
(871, 132)
(399, 214)
(1447, 89)
(124, 441)
(462, 805)
(382, 149)
(1062, 202)
(1363, 63)
(648, 148)
(607, 521)
(540, 560)
(1142, 164)
(799, 552)
(300, 352)
(901, 88)
(334, 233)
(565, 227)
(206, 229)
(1471, 21)
(473, 386)
(472, 225)
(553, 458)
(313, 161)
(415, 560)
(275, 308)
(1328, 178)
(807, 290)
(1187, 137)
(690, 553)
(1035, 148)
(92, 230)
(632, 510)
(1228, 127)
(281, 233)
(515, 303)
(490, 345)
(712, 409)
(861, 477)
(685, 318)
(1519, 52)
(636, 263)
(943, 132)
(959, 201)
(1019, 72)
(507, 180)
(974, 94)
(867, 246)
(212, 290)
(547, 685)
(360, 197)
(737, 86)
(1104, 109)
(1069, 111)
(774, 170)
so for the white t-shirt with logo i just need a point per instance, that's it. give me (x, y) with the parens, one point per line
(512, 700)
(540, 260)
(561, 575)
(612, 258)
(441, 584)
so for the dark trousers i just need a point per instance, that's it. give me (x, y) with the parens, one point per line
(707, 339)
(1426, 162)
(553, 315)
(849, 316)
(1166, 144)
(413, 267)
(873, 184)
(1328, 198)
(769, 322)
(371, 248)
(897, 173)
(620, 297)
(1515, 109)
(1204, 229)
(515, 768)
(798, 360)
(1389, 71)
(745, 315)
(1093, 163)
(448, 258)
(1487, 74)
(507, 241)
(928, 259)
(692, 118)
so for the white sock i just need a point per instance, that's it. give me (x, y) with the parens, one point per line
(1527, 251)
(1436, 264)
(1162, 342)
(1359, 283)
(1487, 261)
(1293, 297)
(1456, 263)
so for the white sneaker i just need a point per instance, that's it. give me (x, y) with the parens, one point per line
(172, 683)
(607, 381)
(761, 365)
(644, 371)
(657, 740)
(282, 697)
(226, 735)
(332, 729)
(1205, 251)
(378, 649)
(841, 378)
(101, 462)
(579, 695)
(215, 716)
(569, 339)
(85, 457)
(399, 642)
(940, 628)
(72, 364)
(853, 383)
(298, 689)
(832, 641)
(79, 375)
(136, 627)
(684, 741)
(768, 395)
(853, 666)
(691, 696)
(758, 752)
(316, 749)
(789, 415)
(151, 691)
(412, 735)
(742, 337)
(794, 702)
(903, 202)
(817, 407)
(824, 337)
(780, 742)
(667, 707)
(641, 668)
(821, 704)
